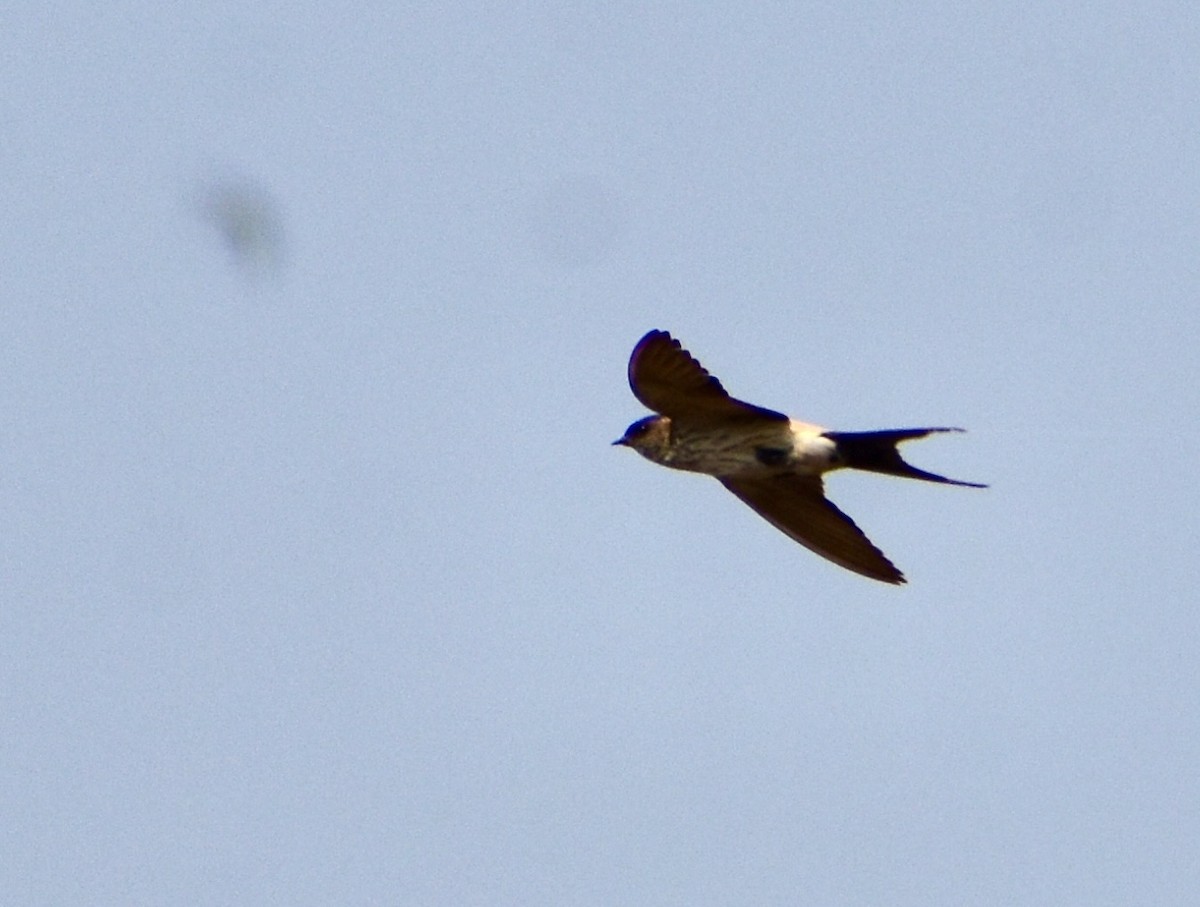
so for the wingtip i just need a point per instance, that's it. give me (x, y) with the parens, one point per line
(655, 334)
(649, 339)
(893, 578)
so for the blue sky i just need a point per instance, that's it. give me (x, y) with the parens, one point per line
(320, 582)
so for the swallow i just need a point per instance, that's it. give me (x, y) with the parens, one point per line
(770, 461)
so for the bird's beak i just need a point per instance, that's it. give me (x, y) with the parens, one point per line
(620, 442)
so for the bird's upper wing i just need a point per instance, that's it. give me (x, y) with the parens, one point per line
(797, 506)
(665, 377)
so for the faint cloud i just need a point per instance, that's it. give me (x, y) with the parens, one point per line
(248, 220)
(577, 219)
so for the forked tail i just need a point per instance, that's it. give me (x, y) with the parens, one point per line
(875, 451)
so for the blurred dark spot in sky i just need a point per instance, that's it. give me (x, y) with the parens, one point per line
(249, 222)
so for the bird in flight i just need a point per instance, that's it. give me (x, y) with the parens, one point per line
(772, 462)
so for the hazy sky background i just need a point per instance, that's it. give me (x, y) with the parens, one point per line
(321, 584)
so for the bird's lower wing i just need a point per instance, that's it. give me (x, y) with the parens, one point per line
(797, 506)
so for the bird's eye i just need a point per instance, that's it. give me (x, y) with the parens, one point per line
(639, 428)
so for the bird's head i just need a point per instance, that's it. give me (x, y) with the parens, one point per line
(651, 437)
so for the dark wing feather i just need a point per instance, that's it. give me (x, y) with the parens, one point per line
(797, 506)
(665, 377)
